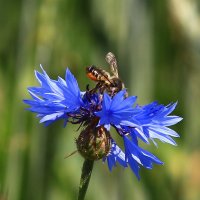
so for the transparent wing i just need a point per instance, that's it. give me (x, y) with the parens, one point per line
(111, 60)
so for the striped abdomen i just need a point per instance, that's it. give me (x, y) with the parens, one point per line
(97, 74)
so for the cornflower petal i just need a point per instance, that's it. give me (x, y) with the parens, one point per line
(136, 156)
(115, 155)
(53, 100)
(154, 120)
(116, 110)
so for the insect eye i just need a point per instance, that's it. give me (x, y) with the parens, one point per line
(90, 68)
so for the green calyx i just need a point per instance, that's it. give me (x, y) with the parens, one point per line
(94, 143)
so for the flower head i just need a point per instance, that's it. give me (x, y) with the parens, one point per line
(98, 109)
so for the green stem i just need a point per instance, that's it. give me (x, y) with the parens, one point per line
(85, 178)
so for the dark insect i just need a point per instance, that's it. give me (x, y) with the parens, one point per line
(105, 81)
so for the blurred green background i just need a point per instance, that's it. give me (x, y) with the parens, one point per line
(157, 44)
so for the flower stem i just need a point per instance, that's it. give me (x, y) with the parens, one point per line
(85, 178)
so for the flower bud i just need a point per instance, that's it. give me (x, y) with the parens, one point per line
(94, 142)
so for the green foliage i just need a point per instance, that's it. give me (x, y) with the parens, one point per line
(158, 59)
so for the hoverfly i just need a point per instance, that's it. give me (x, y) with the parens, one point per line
(105, 81)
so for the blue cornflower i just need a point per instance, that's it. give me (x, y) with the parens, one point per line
(96, 111)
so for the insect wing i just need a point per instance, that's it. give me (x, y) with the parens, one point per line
(111, 60)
